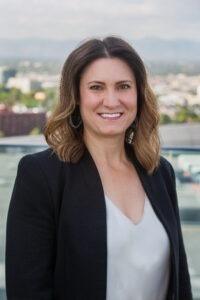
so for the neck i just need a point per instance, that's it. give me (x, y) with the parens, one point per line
(109, 150)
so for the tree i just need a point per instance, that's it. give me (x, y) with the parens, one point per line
(165, 119)
(186, 115)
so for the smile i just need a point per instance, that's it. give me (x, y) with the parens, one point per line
(111, 115)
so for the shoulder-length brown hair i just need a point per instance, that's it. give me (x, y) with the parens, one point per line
(66, 141)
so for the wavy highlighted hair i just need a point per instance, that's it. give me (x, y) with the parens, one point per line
(67, 142)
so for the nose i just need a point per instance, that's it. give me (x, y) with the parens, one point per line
(111, 98)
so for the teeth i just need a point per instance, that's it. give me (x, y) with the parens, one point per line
(116, 115)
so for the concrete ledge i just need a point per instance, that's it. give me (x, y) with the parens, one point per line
(180, 134)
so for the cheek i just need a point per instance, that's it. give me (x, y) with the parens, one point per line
(131, 101)
(87, 104)
(84, 101)
(89, 101)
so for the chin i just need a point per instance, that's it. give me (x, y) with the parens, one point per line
(112, 133)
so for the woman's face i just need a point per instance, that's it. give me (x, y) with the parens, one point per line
(108, 98)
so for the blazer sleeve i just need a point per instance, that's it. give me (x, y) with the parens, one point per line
(30, 236)
(185, 292)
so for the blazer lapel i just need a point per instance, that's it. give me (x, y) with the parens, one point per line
(159, 196)
(85, 214)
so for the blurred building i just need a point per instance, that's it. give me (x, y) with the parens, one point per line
(14, 124)
(5, 74)
(26, 85)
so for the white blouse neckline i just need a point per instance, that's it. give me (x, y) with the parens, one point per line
(124, 216)
(138, 255)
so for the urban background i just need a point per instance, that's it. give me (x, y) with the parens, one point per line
(36, 38)
(29, 91)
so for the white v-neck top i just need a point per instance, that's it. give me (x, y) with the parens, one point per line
(138, 256)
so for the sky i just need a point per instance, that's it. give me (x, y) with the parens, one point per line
(80, 19)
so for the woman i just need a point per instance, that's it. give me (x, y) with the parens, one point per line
(96, 215)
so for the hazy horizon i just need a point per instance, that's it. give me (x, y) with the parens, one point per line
(131, 19)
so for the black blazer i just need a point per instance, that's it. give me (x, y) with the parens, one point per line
(56, 229)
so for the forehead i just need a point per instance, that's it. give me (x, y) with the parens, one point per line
(108, 68)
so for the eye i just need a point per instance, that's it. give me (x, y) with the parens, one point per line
(96, 87)
(124, 86)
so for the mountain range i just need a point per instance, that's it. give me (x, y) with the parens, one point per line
(154, 49)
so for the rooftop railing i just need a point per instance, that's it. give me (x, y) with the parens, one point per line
(186, 163)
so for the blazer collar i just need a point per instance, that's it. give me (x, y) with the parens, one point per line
(87, 195)
(158, 193)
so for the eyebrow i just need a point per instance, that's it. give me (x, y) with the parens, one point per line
(95, 81)
(118, 82)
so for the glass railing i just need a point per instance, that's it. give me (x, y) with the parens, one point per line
(9, 158)
(186, 162)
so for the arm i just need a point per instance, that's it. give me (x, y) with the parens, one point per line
(30, 239)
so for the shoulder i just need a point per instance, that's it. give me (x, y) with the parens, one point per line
(46, 160)
(166, 167)
(45, 156)
(43, 167)
(166, 173)
(41, 175)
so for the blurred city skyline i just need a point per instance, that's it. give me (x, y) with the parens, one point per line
(131, 19)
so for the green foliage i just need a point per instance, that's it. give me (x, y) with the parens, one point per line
(51, 97)
(5, 96)
(13, 96)
(165, 119)
(34, 131)
(1, 133)
(185, 115)
(28, 100)
(182, 115)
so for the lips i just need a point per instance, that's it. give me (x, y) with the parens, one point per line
(110, 115)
